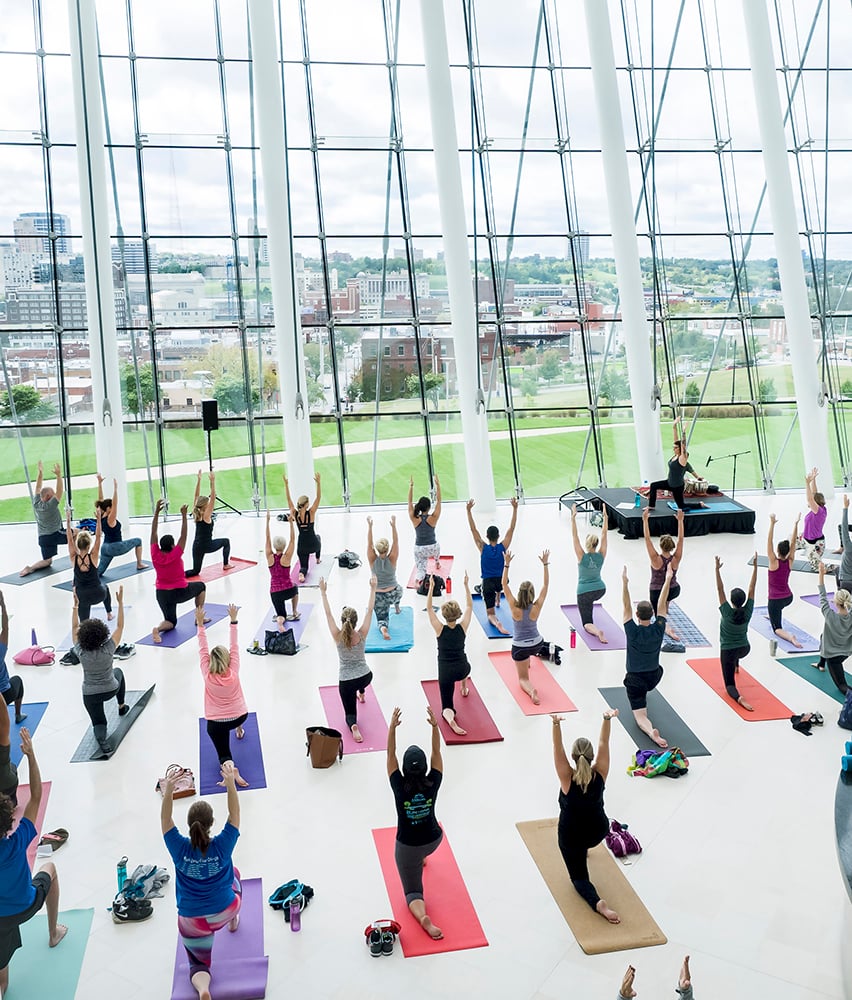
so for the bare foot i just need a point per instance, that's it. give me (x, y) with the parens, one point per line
(745, 704)
(817, 666)
(499, 626)
(450, 718)
(155, 635)
(361, 697)
(58, 935)
(398, 609)
(301, 578)
(26, 571)
(605, 911)
(438, 565)
(235, 923)
(240, 733)
(141, 565)
(356, 734)
(534, 697)
(655, 736)
(434, 932)
(465, 690)
(238, 780)
(110, 616)
(227, 565)
(207, 619)
(602, 638)
(280, 621)
(385, 633)
(795, 642)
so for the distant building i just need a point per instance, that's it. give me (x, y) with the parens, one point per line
(16, 268)
(32, 231)
(134, 256)
(37, 305)
(372, 288)
(398, 253)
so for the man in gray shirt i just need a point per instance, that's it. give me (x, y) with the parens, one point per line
(51, 531)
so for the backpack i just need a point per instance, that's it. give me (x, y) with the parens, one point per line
(285, 894)
(620, 842)
(348, 559)
(437, 589)
(845, 718)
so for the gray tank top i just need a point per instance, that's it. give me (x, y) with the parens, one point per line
(424, 533)
(526, 631)
(385, 573)
(353, 663)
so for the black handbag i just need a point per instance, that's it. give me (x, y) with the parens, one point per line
(281, 642)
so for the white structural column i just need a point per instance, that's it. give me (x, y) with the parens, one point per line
(456, 254)
(100, 293)
(269, 109)
(813, 422)
(637, 330)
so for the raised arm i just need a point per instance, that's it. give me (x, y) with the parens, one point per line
(112, 516)
(604, 535)
(69, 534)
(288, 552)
(468, 608)
(316, 503)
(75, 618)
(234, 644)
(100, 479)
(542, 594)
(473, 529)
(753, 581)
(627, 606)
(845, 540)
(368, 613)
(564, 771)
(197, 493)
(60, 482)
(810, 490)
(411, 499)
(794, 537)
(602, 758)
(770, 544)
(329, 617)
(96, 548)
(720, 587)
(436, 761)
(653, 555)
(268, 541)
(166, 819)
(119, 618)
(371, 552)
(678, 552)
(436, 512)
(434, 620)
(158, 506)
(4, 621)
(510, 534)
(32, 807)
(396, 719)
(579, 551)
(393, 555)
(203, 648)
(290, 503)
(507, 559)
(39, 478)
(182, 539)
(211, 503)
(229, 777)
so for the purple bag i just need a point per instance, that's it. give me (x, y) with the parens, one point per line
(620, 841)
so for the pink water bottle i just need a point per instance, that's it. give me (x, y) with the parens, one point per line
(295, 914)
(573, 638)
(449, 583)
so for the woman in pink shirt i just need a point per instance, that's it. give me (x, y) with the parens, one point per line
(780, 564)
(224, 704)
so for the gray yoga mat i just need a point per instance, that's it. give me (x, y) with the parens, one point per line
(114, 572)
(59, 565)
(800, 565)
(118, 726)
(672, 727)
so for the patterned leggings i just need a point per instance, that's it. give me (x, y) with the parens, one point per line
(384, 600)
(422, 555)
(196, 933)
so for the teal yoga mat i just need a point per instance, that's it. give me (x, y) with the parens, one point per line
(401, 628)
(41, 971)
(801, 665)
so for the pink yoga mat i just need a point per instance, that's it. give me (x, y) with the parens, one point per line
(445, 571)
(471, 714)
(371, 720)
(551, 695)
(23, 800)
(448, 902)
(611, 629)
(315, 571)
(215, 570)
(766, 706)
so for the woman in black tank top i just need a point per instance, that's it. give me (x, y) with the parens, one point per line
(84, 560)
(304, 514)
(453, 664)
(204, 543)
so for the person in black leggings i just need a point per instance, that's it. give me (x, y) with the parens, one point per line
(305, 515)
(203, 543)
(733, 630)
(84, 558)
(12, 688)
(678, 467)
(453, 663)
(582, 819)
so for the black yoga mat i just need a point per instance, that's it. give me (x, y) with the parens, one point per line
(672, 727)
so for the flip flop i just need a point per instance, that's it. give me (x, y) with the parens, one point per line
(55, 839)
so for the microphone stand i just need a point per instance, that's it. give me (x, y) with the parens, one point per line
(721, 458)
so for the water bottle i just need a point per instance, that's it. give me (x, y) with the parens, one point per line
(295, 914)
(34, 639)
(121, 873)
(637, 500)
(849, 747)
(449, 582)
(773, 647)
(846, 763)
(573, 641)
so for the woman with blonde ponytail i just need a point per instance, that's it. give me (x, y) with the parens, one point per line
(582, 820)
(835, 645)
(354, 675)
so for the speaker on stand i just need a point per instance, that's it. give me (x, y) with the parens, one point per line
(210, 423)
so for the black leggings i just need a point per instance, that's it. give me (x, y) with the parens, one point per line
(304, 550)
(86, 598)
(835, 670)
(94, 705)
(730, 659)
(409, 863)
(676, 492)
(774, 607)
(447, 678)
(219, 731)
(15, 691)
(349, 691)
(586, 604)
(575, 854)
(654, 595)
(201, 549)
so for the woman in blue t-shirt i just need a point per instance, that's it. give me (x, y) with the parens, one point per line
(207, 886)
(733, 630)
(590, 585)
(417, 834)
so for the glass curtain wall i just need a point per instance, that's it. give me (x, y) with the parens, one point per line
(194, 309)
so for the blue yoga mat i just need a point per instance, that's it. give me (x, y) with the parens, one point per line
(42, 971)
(34, 712)
(760, 623)
(721, 507)
(401, 628)
(114, 572)
(502, 613)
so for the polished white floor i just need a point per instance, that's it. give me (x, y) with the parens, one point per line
(739, 867)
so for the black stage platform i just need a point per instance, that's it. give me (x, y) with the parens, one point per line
(722, 514)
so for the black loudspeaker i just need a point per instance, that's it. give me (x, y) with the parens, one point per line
(210, 414)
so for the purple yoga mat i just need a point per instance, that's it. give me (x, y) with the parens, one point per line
(248, 759)
(239, 968)
(814, 598)
(371, 721)
(314, 571)
(611, 629)
(297, 627)
(760, 623)
(185, 628)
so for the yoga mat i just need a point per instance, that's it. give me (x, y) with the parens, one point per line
(502, 613)
(766, 705)
(239, 968)
(99, 612)
(672, 727)
(800, 565)
(551, 695)
(34, 712)
(595, 936)
(445, 571)
(760, 623)
(60, 565)
(23, 799)
(471, 714)
(688, 632)
(215, 570)
(448, 902)
(401, 628)
(298, 627)
(814, 598)
(821, 679)
(371, 720)
(42, 971)
(118, 726)
(611, 629)
(248, 759)
(185, 628)
(114, 572)
(315, 571)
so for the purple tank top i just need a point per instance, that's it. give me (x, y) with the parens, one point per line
(814, 524)
(279, 575)
(778, 580)
(658, 576)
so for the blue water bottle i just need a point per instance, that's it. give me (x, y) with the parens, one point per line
(637, 502)
(121, 873)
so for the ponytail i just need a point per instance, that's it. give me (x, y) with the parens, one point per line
(200, 819)
(583, 754)
(348, 621)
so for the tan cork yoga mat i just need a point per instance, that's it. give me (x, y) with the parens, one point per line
(594, 934)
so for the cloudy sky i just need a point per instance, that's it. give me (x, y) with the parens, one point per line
(180, 110)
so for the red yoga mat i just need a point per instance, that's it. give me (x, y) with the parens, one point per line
(471, 714)
(447, 901)
(766, 705)
(371, 721)
(215, 570)
(551, 695)
(445, 571)
(23, 800)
